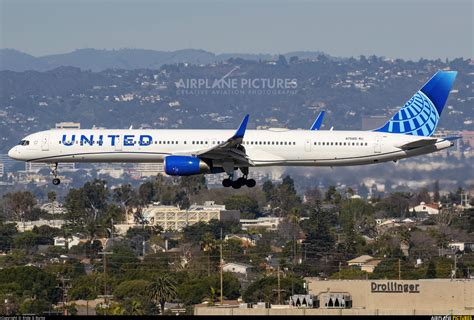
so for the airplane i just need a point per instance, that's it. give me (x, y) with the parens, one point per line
(191, 152)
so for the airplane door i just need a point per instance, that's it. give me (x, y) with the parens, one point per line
(45, 142)
(307, 146)
(377, 146)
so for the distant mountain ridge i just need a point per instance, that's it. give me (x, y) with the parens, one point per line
(99, 60)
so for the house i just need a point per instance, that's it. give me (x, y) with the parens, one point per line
(269, 223)
(69, 242)
(247, 240)
(53, 208)
(430, 208)
(365, 262)
(236, 267)
(462, 246)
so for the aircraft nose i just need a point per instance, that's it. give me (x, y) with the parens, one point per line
(13, 153)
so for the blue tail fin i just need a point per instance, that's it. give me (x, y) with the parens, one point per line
(420, 115)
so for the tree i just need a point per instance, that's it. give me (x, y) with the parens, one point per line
(332, 195)
(247, 205)
(7, 233)
(313, 194)
(319, 240)
(146, 193)
(436, 196)
(86, 206)
(423, 196)
(265, 289)
(284, 196)
(268, 189)
(162, 289)
(193, 184)
(26, 240)
(19, 204)
(125, 196)
(431, 270)
(51, 198)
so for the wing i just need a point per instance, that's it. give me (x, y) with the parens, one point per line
(231, 149)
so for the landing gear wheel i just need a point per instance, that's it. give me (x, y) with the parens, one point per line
(236, 184)
(241, 181)
(250, 183)
(226, 183)
(56, 181)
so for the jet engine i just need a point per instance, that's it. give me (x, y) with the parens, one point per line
(185, 166)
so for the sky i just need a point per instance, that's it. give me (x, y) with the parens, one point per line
(407, 29)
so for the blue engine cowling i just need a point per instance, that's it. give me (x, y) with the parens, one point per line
(185, 166)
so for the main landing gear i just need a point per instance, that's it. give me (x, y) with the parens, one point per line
(54, 172)
(242, 181)
(236, 184)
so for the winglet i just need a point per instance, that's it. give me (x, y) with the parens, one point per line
(317, 123)
(239, 134)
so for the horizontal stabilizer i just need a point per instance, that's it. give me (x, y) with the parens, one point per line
(417, 144)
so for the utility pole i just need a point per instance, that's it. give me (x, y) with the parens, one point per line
(65, 287)
(399, 270)
(455, 265)
(222, 275)
(279, 290)
(279, 294)
(105, 296)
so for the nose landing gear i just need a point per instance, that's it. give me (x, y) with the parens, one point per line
(54, 172)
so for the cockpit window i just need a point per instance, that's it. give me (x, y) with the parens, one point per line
(24, 143)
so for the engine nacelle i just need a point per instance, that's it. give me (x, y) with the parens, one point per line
(185, 166)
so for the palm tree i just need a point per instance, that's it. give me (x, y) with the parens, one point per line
(162, 289)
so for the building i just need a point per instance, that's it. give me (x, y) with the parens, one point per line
(236, 267)
(366, 297)
(53, 208)
(174, 218)
(247, 240)
(269, 223)
(69, 242)
(365, 263)
(2, 169)
(68, 125)
(35, 167)
(462, 246)
(29, 225)
(427, 296)
(149, 169)
(430, 208)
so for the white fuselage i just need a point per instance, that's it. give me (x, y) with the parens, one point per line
(274, 147)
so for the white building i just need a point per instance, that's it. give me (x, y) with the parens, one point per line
(149, 169)
(29, 225)
(53, 208)
(69, 242)
(174, 218)
(236, 267)
(430, 208)
(269, 223)
(68, 125)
